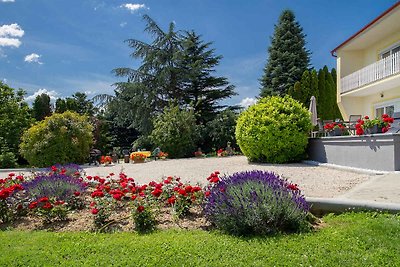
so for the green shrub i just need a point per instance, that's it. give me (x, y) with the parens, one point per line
(175, 132)
(60, 138)
(221, 130)
(144, 219)
(274, 130)
(7, 160)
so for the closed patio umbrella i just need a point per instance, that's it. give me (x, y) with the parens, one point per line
(313, 110)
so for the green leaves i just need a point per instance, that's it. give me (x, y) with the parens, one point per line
(275, 130)
(288, 57)
(60, 138)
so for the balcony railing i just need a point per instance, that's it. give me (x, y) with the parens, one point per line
(371, 73)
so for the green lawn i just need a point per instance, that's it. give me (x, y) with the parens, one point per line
(363, 239)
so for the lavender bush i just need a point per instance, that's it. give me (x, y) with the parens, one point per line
(255, 202)
(59, 186)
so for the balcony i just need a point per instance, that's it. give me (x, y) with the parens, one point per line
(379, 70)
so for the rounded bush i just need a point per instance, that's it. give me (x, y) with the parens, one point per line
(274, 130)
(175, 132)
(60, 138)
(255, 202)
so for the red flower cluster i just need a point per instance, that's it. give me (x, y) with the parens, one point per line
(105, 159)
(45, 203)
(213, 178)
(293, 187)
(5, 192)
(330, 126)
(365, 123)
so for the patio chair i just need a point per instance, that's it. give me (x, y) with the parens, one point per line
(94, 157)
(351, 126)
(320, 131)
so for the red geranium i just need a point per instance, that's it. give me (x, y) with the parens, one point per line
(156, 192)
(33, 205)
(47, 206)
(171, 200)
(43, 199)
(140, 208)
(77, 194)
(182, 192)
(94, 211)
(293, 187)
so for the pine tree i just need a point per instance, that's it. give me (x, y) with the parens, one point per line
(288, 58)
(322, 103)
(41, 107)
(201, 89)
(314, 84)
(334, 91)
(305, 88)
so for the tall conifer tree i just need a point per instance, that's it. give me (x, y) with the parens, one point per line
(41, 107)
(288, 57)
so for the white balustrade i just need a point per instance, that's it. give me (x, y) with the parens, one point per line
(371, 73)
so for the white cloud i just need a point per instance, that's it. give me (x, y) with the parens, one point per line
(11, 30)
(9, 35)
(247, 102)
(10, 42)
(53, 95)
(5, 1)
(134, 7)
(123, 24)
(33, 58)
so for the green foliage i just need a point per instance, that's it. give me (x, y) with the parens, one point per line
(274, 130)
(60, 138)
(7, 159)
(41, 107)
(222, 129)
(145, 220)
(15, 118)
(287, 57)
(362, 239)
(174, 67)
(77, 103)
(6, 214)
(322, 85)
(175, 132)
(201, 90)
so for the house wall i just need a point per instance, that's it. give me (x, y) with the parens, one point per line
(372, 54)
(375, 152)
(353, 60)
(365, 106)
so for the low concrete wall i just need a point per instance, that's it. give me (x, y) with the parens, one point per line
(376, 152)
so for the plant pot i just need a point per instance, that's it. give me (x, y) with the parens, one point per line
(373, 130)
(338, 132)
(138, 160)
(126, 159)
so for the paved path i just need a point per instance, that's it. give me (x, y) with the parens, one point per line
(314, 181)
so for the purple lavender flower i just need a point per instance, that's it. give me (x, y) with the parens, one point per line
(59, 186)
(255, 202)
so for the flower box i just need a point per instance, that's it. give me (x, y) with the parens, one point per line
(373, 130)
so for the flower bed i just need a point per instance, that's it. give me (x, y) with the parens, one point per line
(373, 126)
(74, 202)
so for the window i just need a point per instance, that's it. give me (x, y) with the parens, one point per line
(384, 109)
(390, 51)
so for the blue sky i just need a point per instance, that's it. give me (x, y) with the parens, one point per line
(62, 47)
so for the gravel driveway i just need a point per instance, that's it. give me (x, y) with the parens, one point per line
(314, 181)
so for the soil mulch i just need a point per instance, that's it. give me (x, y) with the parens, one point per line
(120, 221)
